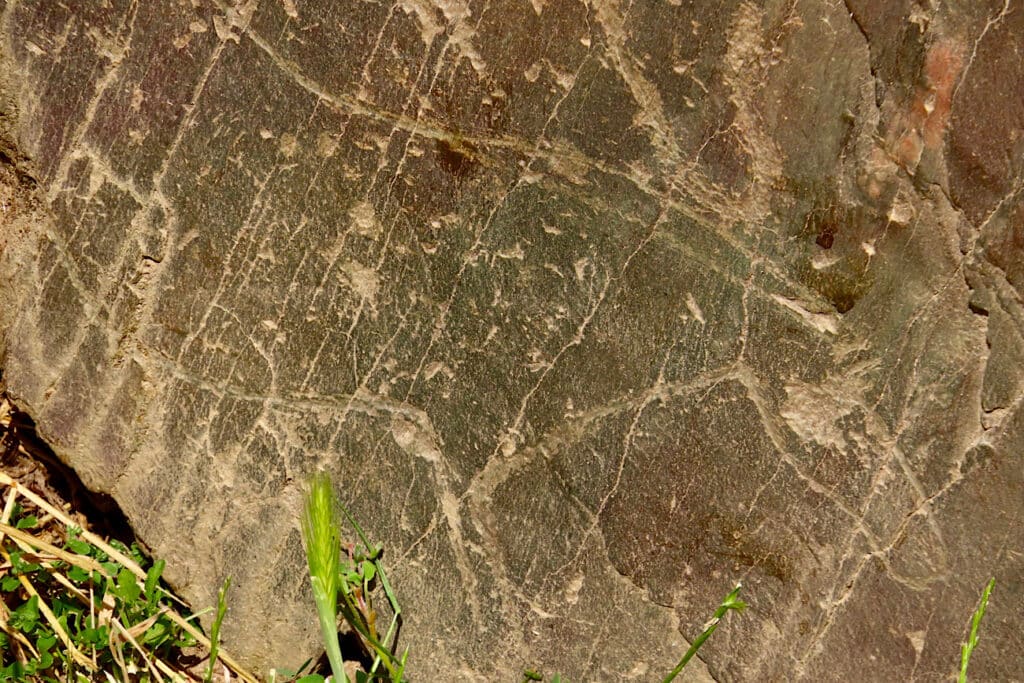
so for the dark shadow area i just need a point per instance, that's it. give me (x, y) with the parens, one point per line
(352, 650)
(22, 448)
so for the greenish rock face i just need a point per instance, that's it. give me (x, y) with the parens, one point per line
(590, 310)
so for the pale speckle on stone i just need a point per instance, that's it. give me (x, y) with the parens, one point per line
(290, 9)
(822, 322)
(288, 145)
(365, 281)
(364, 220)
(694, 308)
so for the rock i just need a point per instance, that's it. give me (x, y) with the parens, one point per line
(590, 311)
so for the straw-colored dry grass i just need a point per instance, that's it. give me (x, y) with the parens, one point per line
(77, 606)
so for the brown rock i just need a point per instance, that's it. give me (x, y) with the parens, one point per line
(590, 310)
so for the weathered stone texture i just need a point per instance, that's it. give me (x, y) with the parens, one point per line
(591, 309)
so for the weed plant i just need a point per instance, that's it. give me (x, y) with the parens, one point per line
(74, 607)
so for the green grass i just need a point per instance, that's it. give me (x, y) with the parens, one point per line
(321, 533)
(222, 610)
(972, 640)
(74, 607)
(346, 585)
(731, 602)
(77, 608)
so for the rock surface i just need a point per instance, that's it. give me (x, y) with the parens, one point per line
(591, 310)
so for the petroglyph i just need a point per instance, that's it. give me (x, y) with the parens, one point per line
(591, 310)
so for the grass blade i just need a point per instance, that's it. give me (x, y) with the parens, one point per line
(222, 608)
(972, 641)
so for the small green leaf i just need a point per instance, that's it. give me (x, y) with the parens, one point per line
(26, 616)
(44, 662)
(156, 634)
(80, 547)
(183, 639)
(44, 643)
(127, 589)
(311, 678)
(78, 575)
(369, 570)
(93, 637)
(153, 580)
(20, 566)
(9, 584)
(27, 522)
(289, 673)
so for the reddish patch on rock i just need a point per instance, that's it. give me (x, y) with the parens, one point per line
(923, 125)
(941, 68)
